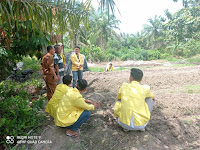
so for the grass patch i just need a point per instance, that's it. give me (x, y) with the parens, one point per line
(183, 65)
(96, 69)
(194, 59)
(192, 88)
(172, 59)
(122, 68)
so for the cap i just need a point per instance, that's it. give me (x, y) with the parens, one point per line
(60, 44)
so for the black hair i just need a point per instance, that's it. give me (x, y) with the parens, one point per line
(49, 48)
(81, 84)
(67, 79)
(77, 47)
(136, 74)
(56, 46)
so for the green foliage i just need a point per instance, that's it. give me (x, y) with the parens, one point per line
(96, 69)
(93, 53)
(195, 59)
(191, 48)
(18, 114)
(31, 63)
(6, 61)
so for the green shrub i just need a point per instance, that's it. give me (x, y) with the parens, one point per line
(31, 63)
(191, 48)
(18, 114)
(195, 59)
(94, 53)
(7, 62)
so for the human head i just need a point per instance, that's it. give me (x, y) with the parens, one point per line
(136, 75)
(81, 85)
(76, 49)
(61, 45)
(67, 79)
(51, 50)
(58, 49)
(110, 65)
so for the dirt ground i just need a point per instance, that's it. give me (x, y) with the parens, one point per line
(175, 119)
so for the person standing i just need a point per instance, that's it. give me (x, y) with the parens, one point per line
(62, 54)
(48, 72)
(77, 65)
(58, 62)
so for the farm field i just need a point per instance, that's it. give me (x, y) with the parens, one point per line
(174, 124)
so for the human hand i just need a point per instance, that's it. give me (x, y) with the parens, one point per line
(96, 105)
(89, 101)
(154, 99)
(64, 66)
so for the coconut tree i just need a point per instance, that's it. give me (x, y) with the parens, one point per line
(45, 15)
(151, 31)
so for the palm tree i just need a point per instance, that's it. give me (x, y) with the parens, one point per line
(46, 15)
(103, 25)
(152, 30)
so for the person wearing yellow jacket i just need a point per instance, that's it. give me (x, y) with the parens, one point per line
(135, 103)
(60, 90)
(73, 110)
(77, 65)
(109, 67)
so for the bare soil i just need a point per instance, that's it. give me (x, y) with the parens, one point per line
(174, 124)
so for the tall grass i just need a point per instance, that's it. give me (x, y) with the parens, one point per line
(194, 59)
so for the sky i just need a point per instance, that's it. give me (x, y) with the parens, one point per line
(135, 13)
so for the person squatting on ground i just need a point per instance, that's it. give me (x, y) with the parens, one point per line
(109, 67)
(58, 62)
(60, 90)
(73, 110)
(134, 103)
(77, 65)
(48, 72)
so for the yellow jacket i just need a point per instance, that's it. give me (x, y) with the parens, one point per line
(63, 58)
(60, 90)
(111, 69)
(76, 63)
(132, 98)
(70, 107)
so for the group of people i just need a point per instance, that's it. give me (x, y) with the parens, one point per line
(70, 110)
(53, 67)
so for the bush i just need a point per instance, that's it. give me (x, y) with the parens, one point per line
(94, 53)
(191, 48)
(195, 59)
(6, 61)
(18, 114)
(31, 63)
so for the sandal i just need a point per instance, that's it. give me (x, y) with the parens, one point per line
(74, 135)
